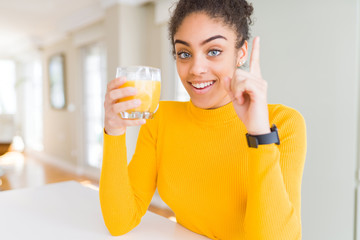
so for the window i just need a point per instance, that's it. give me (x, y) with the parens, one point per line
(93, 59)
(7, 87)
(33, 101)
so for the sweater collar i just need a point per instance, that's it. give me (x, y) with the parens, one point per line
(221, 115)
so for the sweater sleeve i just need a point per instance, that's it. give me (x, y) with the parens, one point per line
(275, 174)
(126, 191)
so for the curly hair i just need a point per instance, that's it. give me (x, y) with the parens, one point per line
(234, 13)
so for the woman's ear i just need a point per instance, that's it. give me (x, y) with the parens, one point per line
(242, 54)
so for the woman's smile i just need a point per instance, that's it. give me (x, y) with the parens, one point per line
(202, 87)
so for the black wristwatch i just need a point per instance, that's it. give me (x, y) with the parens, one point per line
(255, 140)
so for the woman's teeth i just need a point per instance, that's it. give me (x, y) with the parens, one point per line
(202, 85)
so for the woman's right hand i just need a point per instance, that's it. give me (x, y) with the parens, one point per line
(114, 124)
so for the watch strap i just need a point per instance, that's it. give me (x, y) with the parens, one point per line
(268, 138)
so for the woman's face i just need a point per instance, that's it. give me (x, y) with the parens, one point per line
(205, 54)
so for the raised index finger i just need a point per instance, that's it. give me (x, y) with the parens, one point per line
(255, 58)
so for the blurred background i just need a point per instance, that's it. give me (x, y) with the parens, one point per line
(56, 58)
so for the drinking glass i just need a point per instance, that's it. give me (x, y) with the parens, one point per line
(147, 81)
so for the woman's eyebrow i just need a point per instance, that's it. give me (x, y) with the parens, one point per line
(203, 42)
(213, 38)
(182, 42)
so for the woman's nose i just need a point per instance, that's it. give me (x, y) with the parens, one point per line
(198, 66)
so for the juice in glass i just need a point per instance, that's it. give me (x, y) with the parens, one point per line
(147, 82)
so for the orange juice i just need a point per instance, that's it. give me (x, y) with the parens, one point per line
(147, 91)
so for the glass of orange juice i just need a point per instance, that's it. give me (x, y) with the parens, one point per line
(147, 81)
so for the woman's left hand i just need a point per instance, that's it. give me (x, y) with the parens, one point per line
(248, 92)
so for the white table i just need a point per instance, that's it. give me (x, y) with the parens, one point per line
(68, 211)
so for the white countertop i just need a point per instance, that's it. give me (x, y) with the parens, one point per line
(69, 210)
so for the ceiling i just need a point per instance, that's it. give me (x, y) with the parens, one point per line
(27, 24)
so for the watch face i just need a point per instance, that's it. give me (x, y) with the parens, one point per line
(252, 141)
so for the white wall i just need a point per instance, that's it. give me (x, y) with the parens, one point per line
(60, 126)
(357, 50)
(308, 58)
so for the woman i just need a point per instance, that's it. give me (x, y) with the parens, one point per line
(206, 156)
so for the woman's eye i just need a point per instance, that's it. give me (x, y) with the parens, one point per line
(214, 53)
(183, 55)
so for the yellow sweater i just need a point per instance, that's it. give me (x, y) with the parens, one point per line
(205, 172)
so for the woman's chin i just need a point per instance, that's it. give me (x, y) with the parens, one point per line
(208, 104)
(201, 103)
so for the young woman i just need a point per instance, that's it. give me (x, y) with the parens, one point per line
(215, 160)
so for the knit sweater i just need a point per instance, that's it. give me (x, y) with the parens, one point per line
(205, 172)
